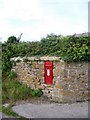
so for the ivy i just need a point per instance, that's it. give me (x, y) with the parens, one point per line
(69, 48)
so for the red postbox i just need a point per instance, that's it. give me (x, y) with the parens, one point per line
(48, 72)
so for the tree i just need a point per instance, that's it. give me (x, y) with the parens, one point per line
(12, 39)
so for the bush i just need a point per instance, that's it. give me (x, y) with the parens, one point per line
(36, 93)
(12, 39)
(69, 48)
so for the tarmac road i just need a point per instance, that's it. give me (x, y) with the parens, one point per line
(76, 110)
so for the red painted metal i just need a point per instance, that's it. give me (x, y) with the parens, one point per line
(48, 72)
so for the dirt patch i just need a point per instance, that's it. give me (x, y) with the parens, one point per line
(37, 100)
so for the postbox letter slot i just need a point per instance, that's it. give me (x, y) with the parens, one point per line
(48, 72)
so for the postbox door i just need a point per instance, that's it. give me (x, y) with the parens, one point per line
(48, 75)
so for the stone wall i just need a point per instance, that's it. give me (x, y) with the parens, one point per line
(70, 81)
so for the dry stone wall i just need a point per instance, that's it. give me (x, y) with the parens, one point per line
(70, 81)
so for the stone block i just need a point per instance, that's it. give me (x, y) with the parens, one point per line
(41, 67)
(58, 85)
(52, 58)
(40, 73)
(72, 73)
(29, 58)
(57, 99)
(40, 63)
(82, 80)
(81, 72)
(68, 93)
(58, 71)
(39, 87)
(34, 64)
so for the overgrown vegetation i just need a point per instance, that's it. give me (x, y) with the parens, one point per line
(9, 112)
(69, 48)
(36, 93)
(13, 90)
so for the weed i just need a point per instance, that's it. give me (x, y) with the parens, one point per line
(12, 75)
(8, 111)
(13, 90)
(36, 92)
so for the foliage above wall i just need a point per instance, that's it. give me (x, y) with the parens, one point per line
(69, 48)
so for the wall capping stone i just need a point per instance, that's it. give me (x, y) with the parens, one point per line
(35, 58)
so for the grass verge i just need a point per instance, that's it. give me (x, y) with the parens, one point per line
(13, 90)
(10, 113)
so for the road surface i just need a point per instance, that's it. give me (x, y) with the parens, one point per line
(55, 110)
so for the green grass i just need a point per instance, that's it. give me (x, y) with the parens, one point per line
(13, 90)
(8, 111)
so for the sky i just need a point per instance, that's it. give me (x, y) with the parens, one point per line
(37, 18)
